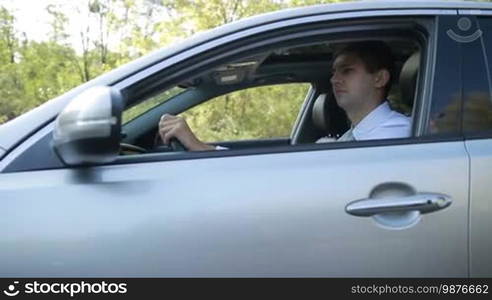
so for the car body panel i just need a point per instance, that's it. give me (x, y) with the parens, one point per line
(477, 126)
(263, 215)
(480, 207)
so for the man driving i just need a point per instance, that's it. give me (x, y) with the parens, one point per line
(361, 80)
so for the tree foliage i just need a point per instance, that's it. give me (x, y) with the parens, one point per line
(255, 113)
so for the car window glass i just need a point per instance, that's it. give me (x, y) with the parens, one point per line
(254, 113)
(477, 82)
(144, 106)
(446, 105)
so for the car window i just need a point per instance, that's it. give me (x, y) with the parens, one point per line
(254, 113)
(260, 115)
(477, 109)
(446, 99)
(144, 106)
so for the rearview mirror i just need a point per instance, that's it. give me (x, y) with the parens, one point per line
(88, 130)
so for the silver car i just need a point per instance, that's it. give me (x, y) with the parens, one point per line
(85, 189)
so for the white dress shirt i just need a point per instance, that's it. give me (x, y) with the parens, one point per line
(381, 123)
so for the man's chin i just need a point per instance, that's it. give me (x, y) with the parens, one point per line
(342, 101)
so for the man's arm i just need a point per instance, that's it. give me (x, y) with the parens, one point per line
(173, 126)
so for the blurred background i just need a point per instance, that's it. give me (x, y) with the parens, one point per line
(48, 47)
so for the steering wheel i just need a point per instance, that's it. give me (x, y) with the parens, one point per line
(176, 145)
(131, 149)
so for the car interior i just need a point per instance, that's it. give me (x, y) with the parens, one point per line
(319, 116)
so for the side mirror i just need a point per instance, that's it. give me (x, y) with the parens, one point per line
(88, 130)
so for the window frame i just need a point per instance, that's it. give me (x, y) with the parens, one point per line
(420, 108)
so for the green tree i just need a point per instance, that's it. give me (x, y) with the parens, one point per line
(191, 16)
(46, 72)
(118, 31)
(8, 40)
(11, 93)
(255, 113)
(295, 3)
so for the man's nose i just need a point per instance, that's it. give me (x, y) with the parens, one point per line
(334, 78)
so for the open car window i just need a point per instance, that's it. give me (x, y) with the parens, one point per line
(255, 113)
(269, 95)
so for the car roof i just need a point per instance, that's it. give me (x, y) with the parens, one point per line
(28, 123)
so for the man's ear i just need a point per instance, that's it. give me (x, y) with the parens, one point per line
(382, 78)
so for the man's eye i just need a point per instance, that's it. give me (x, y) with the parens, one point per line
(343, 71)
(346, 70)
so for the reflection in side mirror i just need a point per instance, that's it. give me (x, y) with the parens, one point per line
(88, 130)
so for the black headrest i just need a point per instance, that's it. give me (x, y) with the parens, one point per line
(320, 113)
(328, 117)
(408, 78)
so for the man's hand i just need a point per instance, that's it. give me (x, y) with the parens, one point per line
(172, 126)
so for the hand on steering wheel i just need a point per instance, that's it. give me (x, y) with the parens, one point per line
(175, 128)
(176, 145)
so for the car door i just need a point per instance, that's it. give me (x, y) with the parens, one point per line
(477, 124)
(259, 212)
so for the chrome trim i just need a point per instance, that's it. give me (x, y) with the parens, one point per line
(425, 203)
(474, 12)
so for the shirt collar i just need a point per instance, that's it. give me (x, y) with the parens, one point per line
(372, 120)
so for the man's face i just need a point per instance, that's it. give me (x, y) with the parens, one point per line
(352, 84)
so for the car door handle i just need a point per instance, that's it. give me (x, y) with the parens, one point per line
(424, 202)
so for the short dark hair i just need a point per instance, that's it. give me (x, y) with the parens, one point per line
(375, 55)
